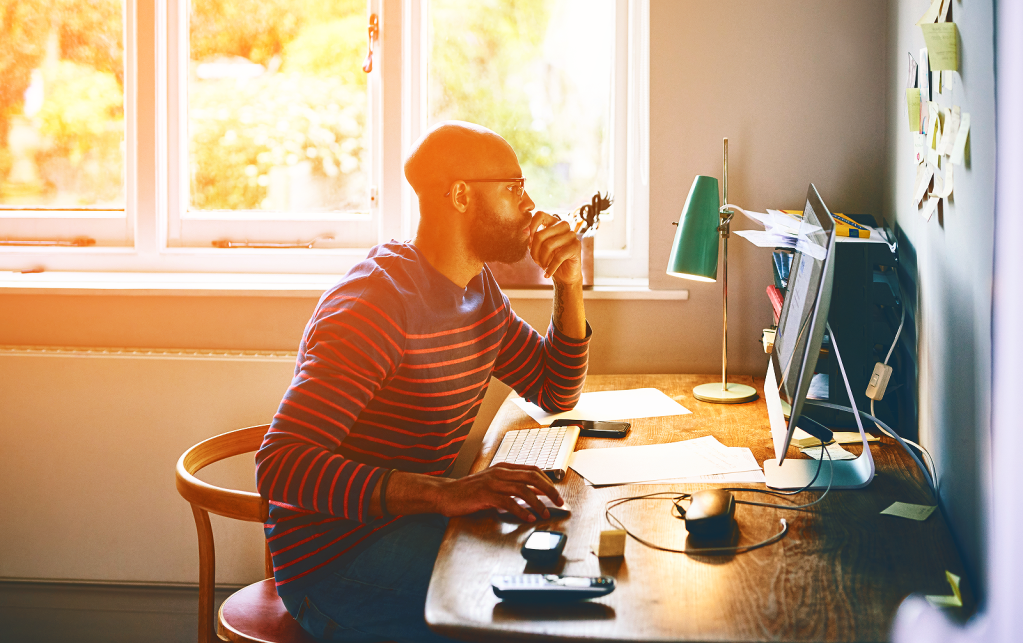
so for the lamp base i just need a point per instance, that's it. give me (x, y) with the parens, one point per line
(733, 394)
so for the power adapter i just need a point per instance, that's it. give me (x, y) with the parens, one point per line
(878, 381)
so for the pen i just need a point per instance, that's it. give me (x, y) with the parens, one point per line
(847, 221)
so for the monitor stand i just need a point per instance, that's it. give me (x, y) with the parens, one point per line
(796, 474)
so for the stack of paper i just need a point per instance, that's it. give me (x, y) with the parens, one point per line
(610, 405)
(698, 460)
(781, 230)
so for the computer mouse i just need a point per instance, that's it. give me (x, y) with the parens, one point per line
(710, 515)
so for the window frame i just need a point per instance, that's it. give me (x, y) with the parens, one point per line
(108, 227)
(155, 35)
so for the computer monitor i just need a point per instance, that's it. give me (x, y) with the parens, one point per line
(797, 344)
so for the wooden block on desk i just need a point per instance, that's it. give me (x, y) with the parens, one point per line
(612, 543)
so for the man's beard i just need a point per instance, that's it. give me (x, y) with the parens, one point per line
(491, 239)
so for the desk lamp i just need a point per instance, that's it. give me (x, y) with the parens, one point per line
(694, 255)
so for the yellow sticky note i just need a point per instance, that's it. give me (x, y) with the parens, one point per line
(911, 511)
(959, 147)
(942, 45)
(956, 600)
(913, 104)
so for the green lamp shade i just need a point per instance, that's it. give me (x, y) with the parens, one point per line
(694, 255)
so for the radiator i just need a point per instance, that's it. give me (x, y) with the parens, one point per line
(90, 437)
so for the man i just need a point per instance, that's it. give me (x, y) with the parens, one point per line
(391, 371)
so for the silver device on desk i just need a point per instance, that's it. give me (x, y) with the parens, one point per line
(797, 345)
(548, 448)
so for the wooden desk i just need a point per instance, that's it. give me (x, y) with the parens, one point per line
(839, 575)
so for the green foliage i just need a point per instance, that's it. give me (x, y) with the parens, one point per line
(83, 119)
(91, 33)
(260, 29)
(477, 54)
(24, 26)
(244, 133)
(483, 56)
(335, 49)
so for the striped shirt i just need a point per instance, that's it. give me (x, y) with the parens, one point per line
(391, 372)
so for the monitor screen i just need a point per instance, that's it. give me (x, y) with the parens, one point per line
(803, 316)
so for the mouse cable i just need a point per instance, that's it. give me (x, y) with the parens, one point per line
(675, 498)
(782, 494)
(658, 495)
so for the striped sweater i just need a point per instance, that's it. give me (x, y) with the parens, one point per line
(391, 372)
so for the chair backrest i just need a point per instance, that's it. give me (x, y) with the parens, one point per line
(231, 503)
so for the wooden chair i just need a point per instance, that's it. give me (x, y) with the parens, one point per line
(254, 613)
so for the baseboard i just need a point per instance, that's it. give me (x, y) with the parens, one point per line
(91, 612)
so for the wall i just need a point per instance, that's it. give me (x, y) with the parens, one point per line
(954, 267)
(797, 87)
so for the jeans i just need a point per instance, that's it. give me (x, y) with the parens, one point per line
(380, 594)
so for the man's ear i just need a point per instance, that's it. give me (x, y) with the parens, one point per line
(459, 196)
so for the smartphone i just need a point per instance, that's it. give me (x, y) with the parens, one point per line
(596, 428)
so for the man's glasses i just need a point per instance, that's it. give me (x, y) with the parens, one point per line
(517, 189)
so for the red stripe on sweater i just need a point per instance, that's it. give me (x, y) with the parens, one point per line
(363, 421)
(309, 469)
(326, 418)
(456, 330)
(430, 380)
(401, 457)
(348, 488)
(294, 467)
(367, 304)
(437, 349)
(333, 485)
(397, 445)
(287, 418)
(453, 361)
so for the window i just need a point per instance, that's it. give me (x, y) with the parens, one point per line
(252, 123)
(63, 136)
(274, 143)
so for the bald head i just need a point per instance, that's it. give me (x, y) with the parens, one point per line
(455, 150)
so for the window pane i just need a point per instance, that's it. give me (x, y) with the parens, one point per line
(62, 104)
(277, 106)
(539, 73)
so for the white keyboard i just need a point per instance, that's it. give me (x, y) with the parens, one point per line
(547, 448)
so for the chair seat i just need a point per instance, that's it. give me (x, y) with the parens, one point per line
(256, 613)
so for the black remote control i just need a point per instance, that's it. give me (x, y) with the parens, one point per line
(548, 588)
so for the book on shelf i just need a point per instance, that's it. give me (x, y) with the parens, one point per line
(777, 299)
(782, 262)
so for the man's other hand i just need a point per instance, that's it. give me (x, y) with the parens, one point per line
(554, 246)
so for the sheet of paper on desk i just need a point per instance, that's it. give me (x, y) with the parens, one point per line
(740, 454)
(756, 475)
(611, 405)
(834, 450)
(688, 458)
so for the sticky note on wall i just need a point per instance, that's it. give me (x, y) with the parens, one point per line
(959, 147)
(913, 105)
(942, 45)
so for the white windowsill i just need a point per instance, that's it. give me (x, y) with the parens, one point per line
(257, 285)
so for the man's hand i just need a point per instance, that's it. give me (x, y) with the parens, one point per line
(493, 488)
(554, 246)
(497, 488)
